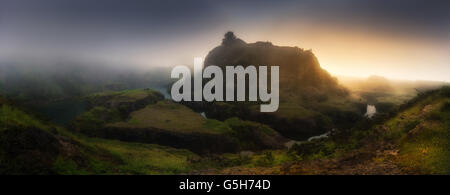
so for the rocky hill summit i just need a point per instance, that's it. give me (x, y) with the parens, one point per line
(299, 68)
(311, 101)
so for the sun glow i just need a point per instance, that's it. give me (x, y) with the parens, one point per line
(356, 52)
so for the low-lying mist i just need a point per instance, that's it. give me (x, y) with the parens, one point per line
(33, 82)
(380, 91)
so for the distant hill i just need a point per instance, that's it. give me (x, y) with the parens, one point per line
(385, 93)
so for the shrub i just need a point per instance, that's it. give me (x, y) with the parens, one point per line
(266, 160)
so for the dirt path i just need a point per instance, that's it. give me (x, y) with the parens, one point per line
(370, 160)
(355, 163)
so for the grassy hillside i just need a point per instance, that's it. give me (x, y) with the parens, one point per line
(30, 146)
(423, 135)
(413, 140)
(172, 117)
(111, 106)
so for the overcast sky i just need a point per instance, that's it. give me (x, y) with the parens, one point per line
(402, 39)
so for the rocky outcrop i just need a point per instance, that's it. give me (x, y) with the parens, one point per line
(305, 89)
(299, 68)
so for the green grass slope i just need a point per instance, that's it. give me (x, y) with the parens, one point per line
(31, 146)
(172, 117)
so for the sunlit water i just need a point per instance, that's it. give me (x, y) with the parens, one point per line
(291, 143)
(371, 111)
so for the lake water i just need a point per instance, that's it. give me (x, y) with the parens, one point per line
(63, 111)
(291, 143)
